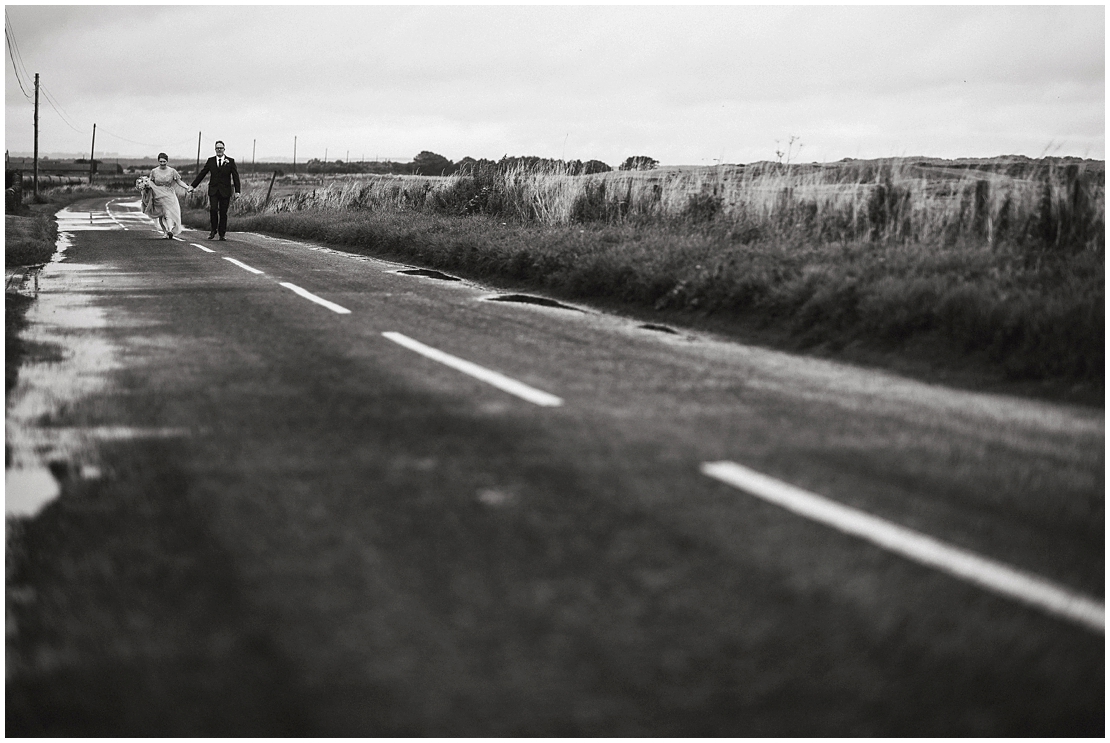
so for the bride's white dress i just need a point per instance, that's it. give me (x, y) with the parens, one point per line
(160, 200)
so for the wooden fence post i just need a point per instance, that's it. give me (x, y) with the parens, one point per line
(270, 190)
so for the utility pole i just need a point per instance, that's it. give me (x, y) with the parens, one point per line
(198, 151)
(92, 156)
(294, 155)
(325, 156)
(254, 143)
(35, 167)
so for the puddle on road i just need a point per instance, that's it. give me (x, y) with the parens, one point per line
(114, 433)
(64, 243)
(429, 274)
(529, 299)
(65, 320)
(28, 489)
(660, 328)
(71, 221)
(80, 221)
(46, 385)
(75, 267)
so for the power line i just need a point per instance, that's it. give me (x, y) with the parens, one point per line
(63, 118)
(10, 29)
(144, 144)
(62, 111)
(9, 34)
(17, 63)
(15, 69)
(56, 106)
(53, 101)
(125, 139)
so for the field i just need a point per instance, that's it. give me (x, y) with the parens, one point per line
(1061, 203)
(986, 271)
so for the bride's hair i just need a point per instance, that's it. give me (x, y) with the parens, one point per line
(162, 155)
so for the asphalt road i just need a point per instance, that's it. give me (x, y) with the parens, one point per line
(303, 492)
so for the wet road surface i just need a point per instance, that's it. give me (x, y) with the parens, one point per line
(419, 511)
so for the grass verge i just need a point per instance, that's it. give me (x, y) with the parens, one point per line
(29, 236)
(971, 314)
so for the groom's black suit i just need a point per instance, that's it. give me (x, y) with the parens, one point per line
(219, 190)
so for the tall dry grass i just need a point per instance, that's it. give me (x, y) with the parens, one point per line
(1059, 207)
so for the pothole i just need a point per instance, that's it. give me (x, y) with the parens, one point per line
(659, 328)
(428, 273)
(528, 299)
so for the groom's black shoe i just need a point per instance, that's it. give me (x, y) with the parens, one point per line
(212, 235)
(222, 237)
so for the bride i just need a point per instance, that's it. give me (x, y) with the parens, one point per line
(160, 197)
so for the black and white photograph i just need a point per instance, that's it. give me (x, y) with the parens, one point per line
(484, 371)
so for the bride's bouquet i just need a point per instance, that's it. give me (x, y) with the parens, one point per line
(146, 195)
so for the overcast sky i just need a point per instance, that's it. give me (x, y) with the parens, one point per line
(683, 84)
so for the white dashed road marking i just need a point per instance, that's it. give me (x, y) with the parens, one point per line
(313, 298)
(986, 573)
(242, 265)
(206, 250)
(496, 379)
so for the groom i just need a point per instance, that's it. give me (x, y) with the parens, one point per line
(223, 171)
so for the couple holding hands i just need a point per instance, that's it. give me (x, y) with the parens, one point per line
(160, 192)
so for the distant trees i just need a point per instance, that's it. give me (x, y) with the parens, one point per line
(533, 163)
(317, 166)
(639, 162)
(467, 164)
(429, 163)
